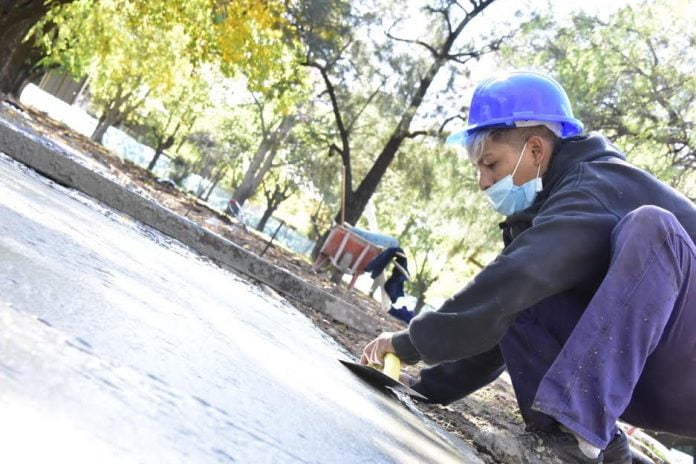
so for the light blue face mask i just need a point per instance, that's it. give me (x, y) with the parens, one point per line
(508, 198)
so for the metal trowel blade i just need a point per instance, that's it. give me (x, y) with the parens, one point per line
(379, 379)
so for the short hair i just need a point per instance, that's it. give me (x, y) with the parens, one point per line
(508, 135)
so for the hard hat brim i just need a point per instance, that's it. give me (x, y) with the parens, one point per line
(570, 127)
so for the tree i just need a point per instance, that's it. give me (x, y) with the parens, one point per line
(423, 240)
(266, 151)
(135, 50)
(125, 50)
(215, 159)
(315, 176)
(430, 200)
(173, 117)
(165, 136)
(452, 18)
(632, 77)
(283, 188)
(179, 170)
(18, 56)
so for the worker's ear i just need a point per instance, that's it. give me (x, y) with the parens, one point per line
(537, 148)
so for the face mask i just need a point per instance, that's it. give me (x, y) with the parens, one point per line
(508, 198)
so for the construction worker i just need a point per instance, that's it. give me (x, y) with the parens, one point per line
(591, 306)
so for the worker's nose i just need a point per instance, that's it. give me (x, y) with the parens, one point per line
(485, 180)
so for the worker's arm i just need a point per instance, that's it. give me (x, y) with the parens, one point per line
(567, 245)
(450, 381)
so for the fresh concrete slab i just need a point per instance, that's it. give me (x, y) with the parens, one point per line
(119, 344)
(23, 144)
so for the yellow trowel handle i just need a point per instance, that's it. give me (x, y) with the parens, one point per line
(392, 366)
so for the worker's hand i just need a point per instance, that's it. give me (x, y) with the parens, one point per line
(374, 352)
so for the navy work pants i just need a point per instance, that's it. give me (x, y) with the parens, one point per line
(630, 353)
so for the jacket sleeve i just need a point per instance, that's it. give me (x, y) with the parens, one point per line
(568, 243)
(448, 382)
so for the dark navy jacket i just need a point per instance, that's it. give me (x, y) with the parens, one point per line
(560, 244)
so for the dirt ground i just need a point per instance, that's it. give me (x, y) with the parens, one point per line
(487, 419)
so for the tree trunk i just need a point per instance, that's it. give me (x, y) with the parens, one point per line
(404, 233)
(153, 162)
(189, 127)
(273, 201)
(357, 200)
(164, 141)
(246, 188)
(200, 190)
(318, 244)
(161, 146)
(105, 121)
(212, 186)
(17, 57)
(262, 160)
(217, 177)
(422, 281)
(19, 69)
(420, 287)
(116, 111)
(266, 216)
(420, 302)
(179, 170)
(209, 192)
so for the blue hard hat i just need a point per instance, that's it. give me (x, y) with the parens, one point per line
(511, 98)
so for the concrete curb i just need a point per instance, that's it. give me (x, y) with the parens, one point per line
(54, 162)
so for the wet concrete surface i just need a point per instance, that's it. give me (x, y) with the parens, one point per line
(55, 160)
(118, 344)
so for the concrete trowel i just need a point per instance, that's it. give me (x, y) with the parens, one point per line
(386, 378)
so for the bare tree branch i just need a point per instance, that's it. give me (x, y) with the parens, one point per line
(262, 120)
(413, 135)
(333, 148)
(459, 5)
(444, 12)
(344, 151)
(429, 47)
(448, 120)
(351, 125)
(464, 57)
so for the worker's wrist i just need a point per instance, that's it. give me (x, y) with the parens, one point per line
(404, 348)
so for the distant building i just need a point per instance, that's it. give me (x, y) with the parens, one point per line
(60, 84)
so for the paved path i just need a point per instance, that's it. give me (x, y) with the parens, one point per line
(118, 344)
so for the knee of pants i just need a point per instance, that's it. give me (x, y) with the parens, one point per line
(645, 223)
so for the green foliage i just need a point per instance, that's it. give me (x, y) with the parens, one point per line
(170, 118)
(135, 50)
(123, 50)
(432, 203)
(255, 37)
(216, 156)
(242, 36)
(324, 27)
(632, 77)
(179, 169)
